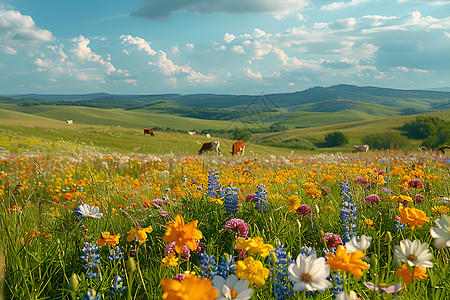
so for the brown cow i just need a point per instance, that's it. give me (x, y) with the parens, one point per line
(149, 131)
(211, 146)
(238, 148)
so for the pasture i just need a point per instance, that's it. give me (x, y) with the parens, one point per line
(105, 212)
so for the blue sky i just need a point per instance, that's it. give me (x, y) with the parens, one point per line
(221, 46)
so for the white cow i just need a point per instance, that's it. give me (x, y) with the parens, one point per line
(70, 122)
(360, 148)
(192, 133)
(208, 135)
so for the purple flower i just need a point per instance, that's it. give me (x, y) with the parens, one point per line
(387, 191)
(303, 210)
(158, 202)
(372, 199)
(418, 199)
(388, 289)
(237, 226)
(179, 277)
(164, 214)
(361, 180)
(415, 183)
(250, 197)
(332, 240)
(185, 253)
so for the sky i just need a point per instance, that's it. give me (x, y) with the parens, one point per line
(221, 46)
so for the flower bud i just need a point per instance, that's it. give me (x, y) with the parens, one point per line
(388, 236)
(73, 282)
(373, 261)
(274, 257)
(130, 265)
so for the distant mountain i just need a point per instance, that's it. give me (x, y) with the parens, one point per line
(406, 101)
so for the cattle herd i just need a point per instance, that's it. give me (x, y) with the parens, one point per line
(238, 148)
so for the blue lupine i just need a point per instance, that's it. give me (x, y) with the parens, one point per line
(208, 265)
(348, 214)
(214, 188)
(337, 288)
(226, 265)
(91, 294)
(282, 286)
(92, 260)
(231, 200)
(115, 253)
(117, 286)
(261, 198)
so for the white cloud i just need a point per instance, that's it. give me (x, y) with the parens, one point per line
(19, 31)
(189, 47)
(162, 9)
(139, 42)
(229, 37)
(250, 74)
(257, 33)
(238, 49)
(341, 5)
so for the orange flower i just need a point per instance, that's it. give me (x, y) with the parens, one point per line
(368, 222)
(346, 261)
(413, 217)
(419, 273)
(191, 287)
(182, 234)
(68, 196)
(147, 204)
(139, 233)
(108, 239)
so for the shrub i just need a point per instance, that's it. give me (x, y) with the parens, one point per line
(386, 140)
(336, 138)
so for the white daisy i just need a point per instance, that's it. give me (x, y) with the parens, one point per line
(89, 211)
(441, 234)
(232, 288)
(414, 253)
(360, 244)
(344, 296)
(309, 273)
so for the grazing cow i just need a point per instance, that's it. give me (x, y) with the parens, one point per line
(192, 133)
(149, 131)
(238, 148)
(70, 122)
(360, 148)
(208, 135)
(211, 146)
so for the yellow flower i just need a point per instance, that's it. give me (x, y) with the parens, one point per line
(442, 210)
(190, 288)
(413, 217)
(252, 270)
(349, 262)
(108, 239)
(292, 202)
(419, 273)
(170, 260)
(400, 198)
(139, 233)
(254, 245)
(369, 222)
(182, 234)
(216, 201)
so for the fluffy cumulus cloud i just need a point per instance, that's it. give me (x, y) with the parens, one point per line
(162, 9)
(76, 61)
(19, 31)
(341, 5)
(161, 63)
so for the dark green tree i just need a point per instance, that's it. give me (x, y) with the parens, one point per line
(242, 134)
(336, 138)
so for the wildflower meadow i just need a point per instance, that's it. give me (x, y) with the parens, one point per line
(335, 226)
